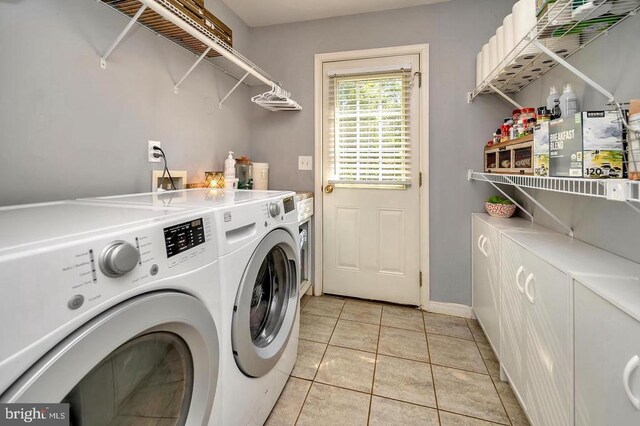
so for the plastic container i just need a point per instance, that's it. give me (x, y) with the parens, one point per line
(553, 98)
(231, 183)
(244, 173)
(261, 176)
(568, 102)
(230, 167)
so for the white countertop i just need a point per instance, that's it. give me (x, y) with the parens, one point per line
(512, 224)
(612, 277)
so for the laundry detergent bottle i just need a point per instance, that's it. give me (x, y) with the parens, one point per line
(230, 167)
(568, 101)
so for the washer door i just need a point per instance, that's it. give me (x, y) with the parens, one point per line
(266, 304)
(152, 358)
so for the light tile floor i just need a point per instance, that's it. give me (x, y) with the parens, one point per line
(362, 362)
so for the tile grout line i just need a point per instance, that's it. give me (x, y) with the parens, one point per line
(433, 379)
(504, 407)
(321, 359)
(375, 365)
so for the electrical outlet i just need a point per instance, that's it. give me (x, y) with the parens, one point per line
(150, 145)
(304, 162)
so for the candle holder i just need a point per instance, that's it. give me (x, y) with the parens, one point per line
(214, 179)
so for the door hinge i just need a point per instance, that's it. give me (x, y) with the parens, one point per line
(420, 278)
(420, 179)
(419, 75)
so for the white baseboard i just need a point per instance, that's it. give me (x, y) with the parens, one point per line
(453, 309)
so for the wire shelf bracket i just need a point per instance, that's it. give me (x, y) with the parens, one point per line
(103, 59)
(200, 58)
(484, 179)
(233, 89)
(575, 71)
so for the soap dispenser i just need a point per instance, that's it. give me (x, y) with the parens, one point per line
(230, 167)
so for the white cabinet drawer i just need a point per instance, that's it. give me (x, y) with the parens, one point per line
(607, 351)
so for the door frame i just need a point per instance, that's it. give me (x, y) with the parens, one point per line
(320, 59)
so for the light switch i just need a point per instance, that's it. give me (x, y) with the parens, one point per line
(304, 162)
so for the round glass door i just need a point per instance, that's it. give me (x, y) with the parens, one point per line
(266, 304)
(153, 359)
(270, 295)
(149, 378)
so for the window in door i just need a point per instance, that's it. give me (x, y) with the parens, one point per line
(369, 129)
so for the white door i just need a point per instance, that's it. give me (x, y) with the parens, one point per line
(607, 358)
(512, 345)
(371, 160)
(549, 343)
(485, 254)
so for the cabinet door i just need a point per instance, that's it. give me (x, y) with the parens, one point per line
(512, 344)
(548, 335)
(607, 347)
(486, 295)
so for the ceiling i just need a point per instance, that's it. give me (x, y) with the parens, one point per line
(258, 13)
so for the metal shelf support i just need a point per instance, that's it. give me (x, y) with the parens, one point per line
(103, 60)
(233, 89)
(484, 179)
(505, 96)
(573, 70)
(506, 180)
(177, 85)
(543, 208)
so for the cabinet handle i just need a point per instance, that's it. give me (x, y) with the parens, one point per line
(520, 271)
(482, 247)
(628, 369)
(480, 242)
(526, 288)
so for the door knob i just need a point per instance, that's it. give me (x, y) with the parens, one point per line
(328, 189)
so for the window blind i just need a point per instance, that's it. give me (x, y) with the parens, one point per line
(369, 129)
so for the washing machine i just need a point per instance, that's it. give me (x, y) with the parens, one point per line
(112, 309)
(259, 272)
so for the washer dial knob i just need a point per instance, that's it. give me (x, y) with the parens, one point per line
(274, 209)
(118, 258)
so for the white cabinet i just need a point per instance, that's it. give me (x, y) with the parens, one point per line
(485, 259)
(537, 335)
(607, 371)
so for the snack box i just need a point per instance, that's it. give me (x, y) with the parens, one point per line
(589, 145)
(565, 147)
(541, 149)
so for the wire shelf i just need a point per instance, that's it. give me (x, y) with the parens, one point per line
(585, 187)
(556, 30)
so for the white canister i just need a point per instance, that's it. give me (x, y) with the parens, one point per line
(486, 66)
(493, 54)
(508, 44)
(479, 69)
(231, 183)
(500, 44)
(261, 176)
(524, 20)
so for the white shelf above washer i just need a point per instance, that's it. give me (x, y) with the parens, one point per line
(169, 12)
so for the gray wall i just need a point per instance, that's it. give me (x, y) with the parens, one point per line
(455, 32)
(70, 129)
(613, 62)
